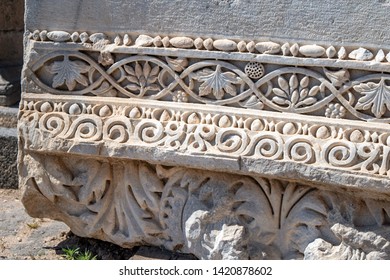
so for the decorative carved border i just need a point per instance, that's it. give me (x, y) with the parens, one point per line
(303, 90)
(210, 44)
(283, 101)
(197, 131)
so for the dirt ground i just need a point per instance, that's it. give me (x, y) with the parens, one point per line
(25, 238)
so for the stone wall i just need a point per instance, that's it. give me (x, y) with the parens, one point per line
(225, 129)
(11, 50)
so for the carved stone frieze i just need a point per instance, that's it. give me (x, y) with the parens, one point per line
(318, 91)
(222, 147)
(67, 125)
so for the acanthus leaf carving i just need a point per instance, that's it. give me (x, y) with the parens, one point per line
(209, 214)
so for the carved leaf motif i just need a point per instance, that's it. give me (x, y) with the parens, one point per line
(338, 78)
(376, 96)
(217, 82)
(294, 93)
(252, 102)
(178, 64)
(294, 215)
(68, 72)
(120, 200)
(302, 215)
(142, 79)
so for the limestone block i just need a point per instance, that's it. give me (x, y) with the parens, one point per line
(227, 141)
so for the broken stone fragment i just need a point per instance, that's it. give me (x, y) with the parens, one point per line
(165, 42)
(157, 41)
(84, 37)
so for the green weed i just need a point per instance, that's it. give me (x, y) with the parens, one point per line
(76, 254)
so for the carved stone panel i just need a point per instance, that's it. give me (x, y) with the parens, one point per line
(226, 147)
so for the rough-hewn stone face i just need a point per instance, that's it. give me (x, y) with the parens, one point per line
(220, 143)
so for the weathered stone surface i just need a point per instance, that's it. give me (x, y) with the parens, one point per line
(11, 50)
(182, 42)
(268, 47)
(333, 21)
(353, 245)
(187, 140)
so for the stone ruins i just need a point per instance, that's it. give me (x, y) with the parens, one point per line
(11, 50)
(228, 129)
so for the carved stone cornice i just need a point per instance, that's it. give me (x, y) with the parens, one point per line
(226, 149)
